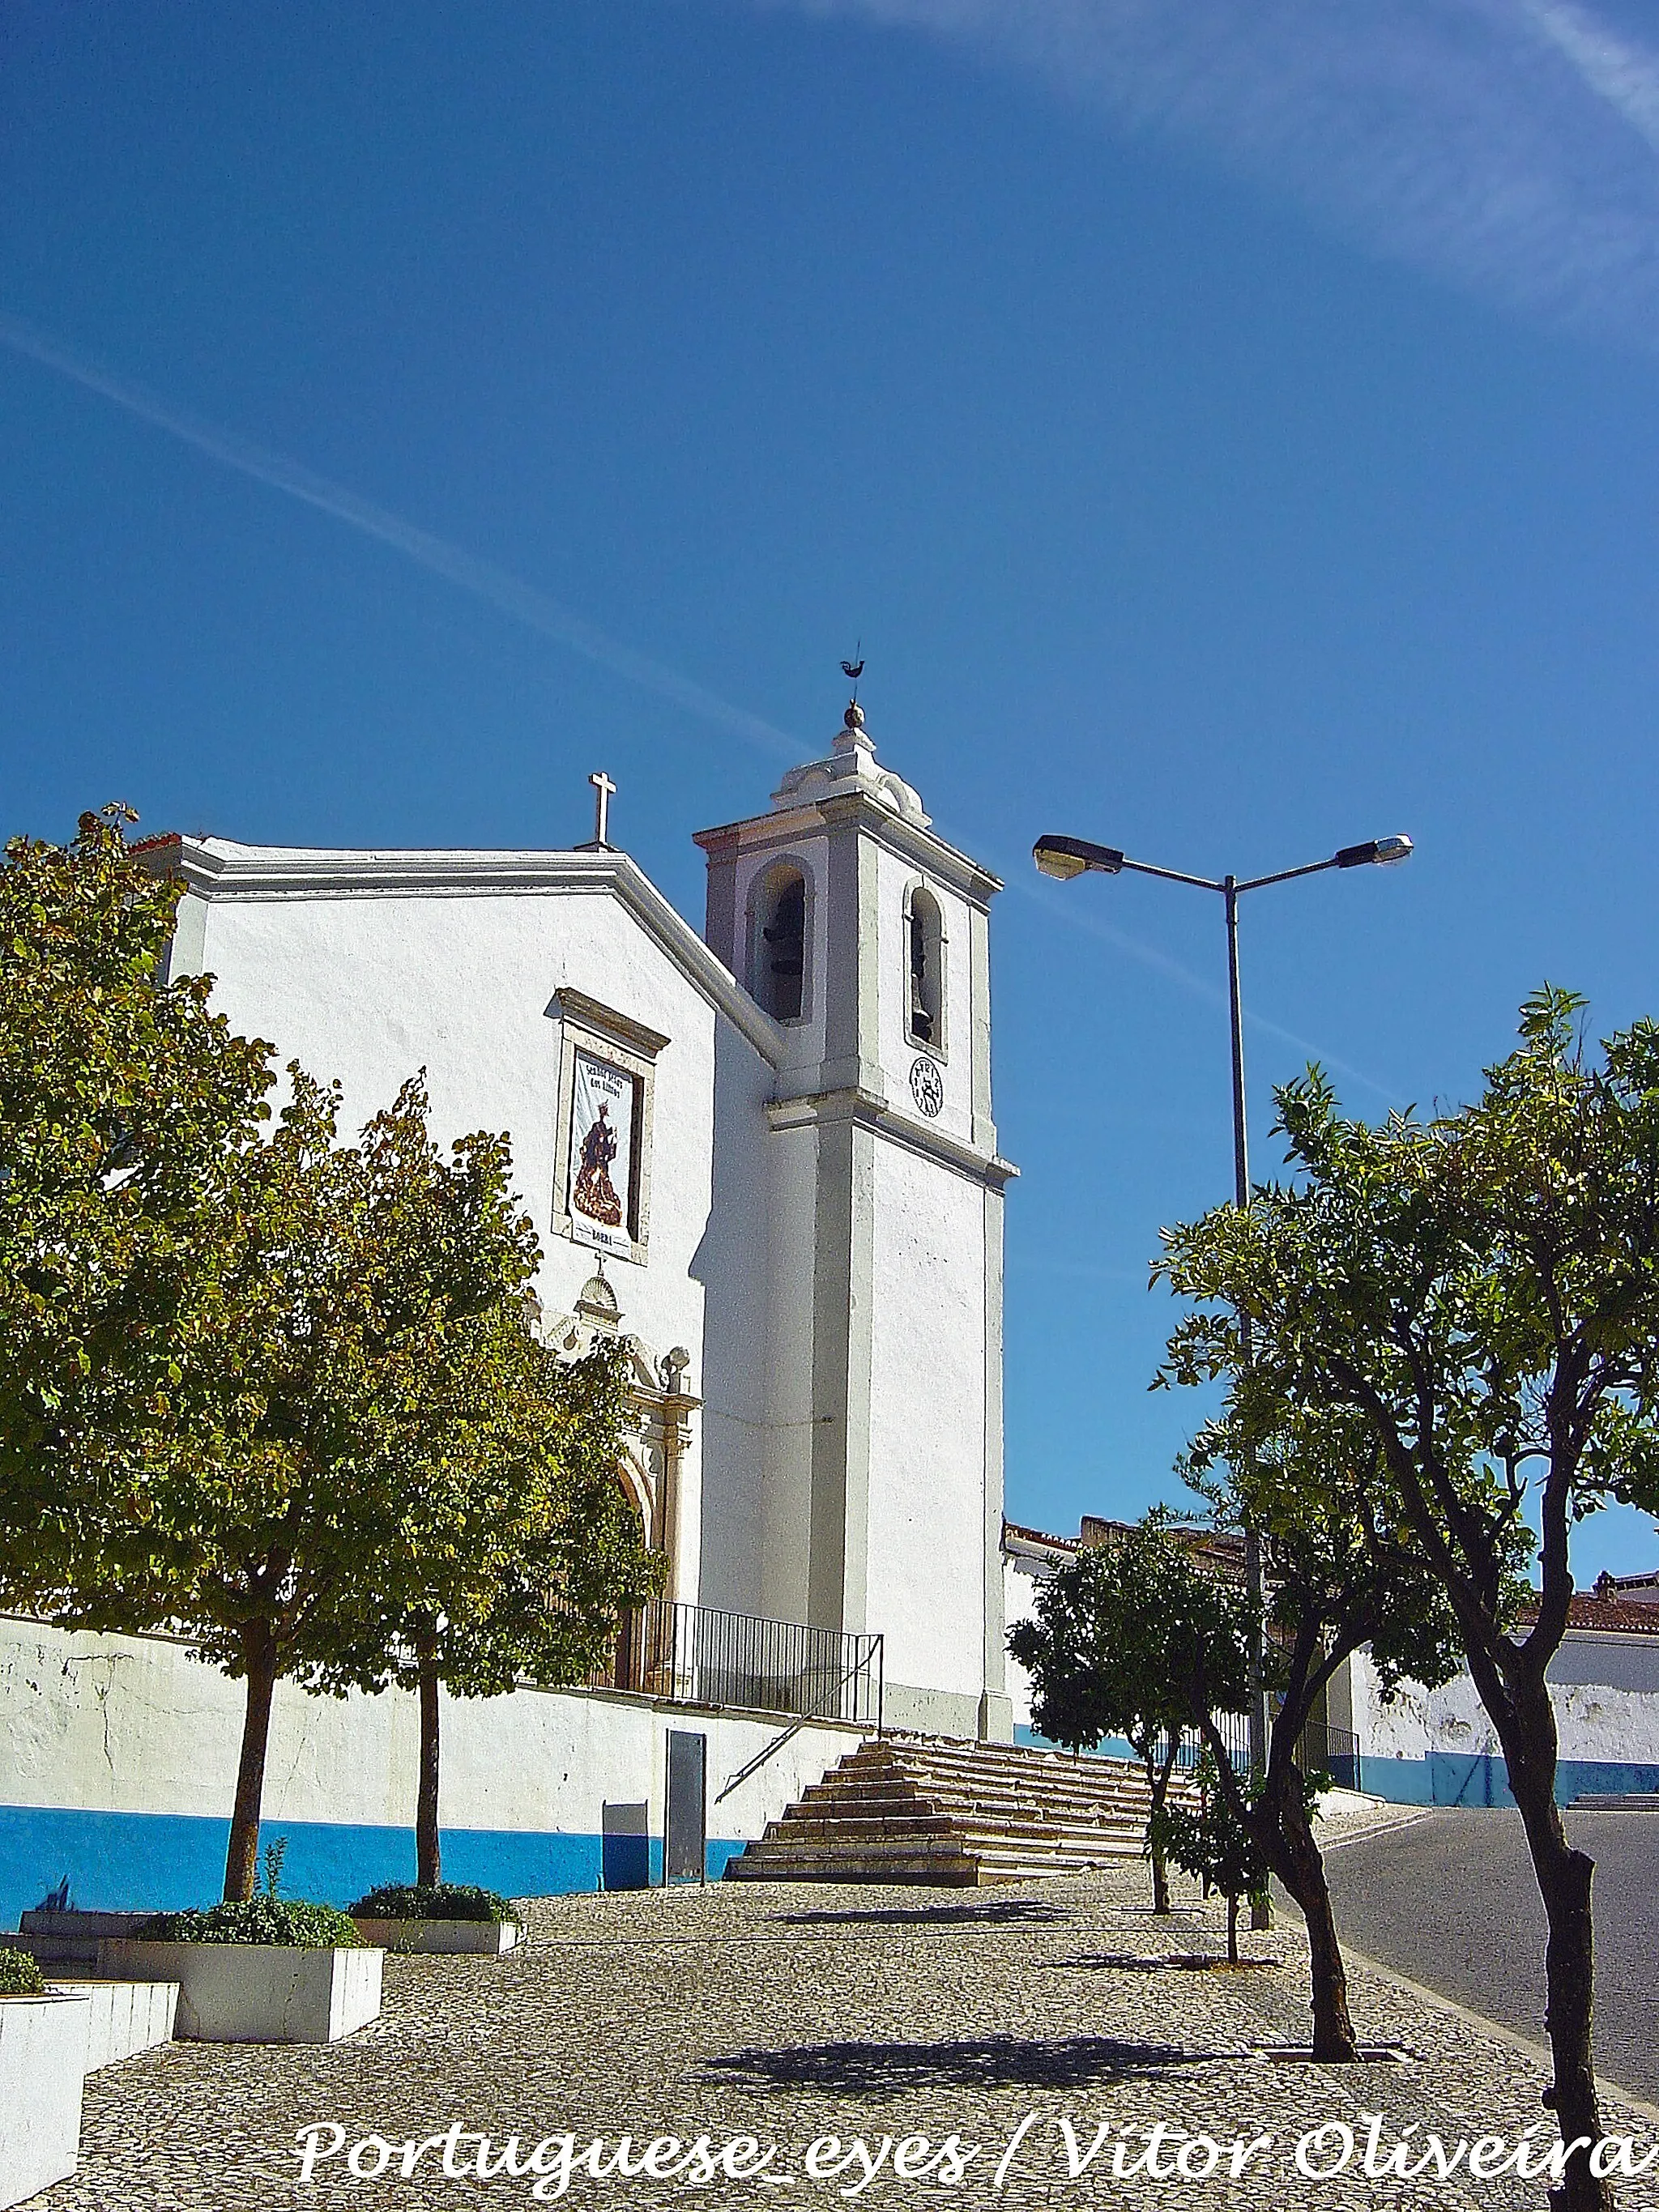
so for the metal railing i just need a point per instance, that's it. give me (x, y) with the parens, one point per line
(1323, 1749)
(1234, 1729)
(695, 1654)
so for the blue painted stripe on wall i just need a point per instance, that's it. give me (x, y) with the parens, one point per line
(1447, 1778)
(158, 1863)
(1110, 1747)
(1444, 1777)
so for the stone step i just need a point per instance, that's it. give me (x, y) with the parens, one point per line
(801, 1826)
(962, 1872)
(779, 1861)
(880, 1775)
(937, 1793)
(1047, 1770)
(872, 1801)
(1023, 1759)
(906, 1809)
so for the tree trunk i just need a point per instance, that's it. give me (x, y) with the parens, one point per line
(1333, 2038)
(1283, 1835)
(1333, 2027)
(1158, 1781)
(429, 1857)
(259, 1665)
(1232, 1927)
(1564, 1881)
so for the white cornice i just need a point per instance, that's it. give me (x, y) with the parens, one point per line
(872, 1112)
(216, 869)
(921, 848)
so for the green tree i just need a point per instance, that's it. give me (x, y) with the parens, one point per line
(1339, 1577)
(1482, 1290)
(520, 1550)
(127, 1111)
(358, 1264)
(1213, 1844)
(1109, 1648)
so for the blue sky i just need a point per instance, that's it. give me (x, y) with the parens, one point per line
(1231, 434)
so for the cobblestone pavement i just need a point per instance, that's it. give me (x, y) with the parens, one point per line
(790, 2013)
(1481, 1939)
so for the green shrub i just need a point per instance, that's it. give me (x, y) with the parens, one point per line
(19, 1975)
(448, 1901)
(262, 1919)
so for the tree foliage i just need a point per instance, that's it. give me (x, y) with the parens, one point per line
(519, 1551)
(274, 1390)
(1340, 1575)
(1113, 1650)
(1212, 1842)
(128, 1110)
(359, 1265)
(1481, 1292)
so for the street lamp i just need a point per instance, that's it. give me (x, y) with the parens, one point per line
(1063, 858)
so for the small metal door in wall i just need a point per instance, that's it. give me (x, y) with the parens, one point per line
(625, 1846)
(685, 1839)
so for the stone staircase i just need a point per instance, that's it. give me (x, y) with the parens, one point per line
(926, 1809)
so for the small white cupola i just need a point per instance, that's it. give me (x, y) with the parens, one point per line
(849, 768)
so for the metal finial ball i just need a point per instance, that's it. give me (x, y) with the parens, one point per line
(853, 718)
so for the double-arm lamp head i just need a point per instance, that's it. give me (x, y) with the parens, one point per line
(1066, 857)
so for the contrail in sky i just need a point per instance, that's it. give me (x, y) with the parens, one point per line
(483, 578)
(534, 608)
(1506, 146)
(1617, 71)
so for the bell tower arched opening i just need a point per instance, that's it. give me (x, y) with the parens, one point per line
(924, 941)
(778, 968)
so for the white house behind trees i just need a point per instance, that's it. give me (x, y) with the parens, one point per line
(1436, 1747)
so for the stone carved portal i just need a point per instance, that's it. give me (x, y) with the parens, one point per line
(660, 1409)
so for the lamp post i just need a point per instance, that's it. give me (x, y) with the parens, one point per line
(1063, 858)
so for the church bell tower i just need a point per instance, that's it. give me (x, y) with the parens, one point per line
(879, 1495)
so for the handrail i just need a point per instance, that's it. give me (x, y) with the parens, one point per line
(706, 1655)
(796, 1726)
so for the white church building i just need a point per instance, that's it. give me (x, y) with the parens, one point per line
(764, 1155)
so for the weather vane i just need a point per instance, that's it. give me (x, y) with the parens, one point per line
(852, 670)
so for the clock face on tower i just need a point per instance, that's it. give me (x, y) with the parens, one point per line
(926, 1088)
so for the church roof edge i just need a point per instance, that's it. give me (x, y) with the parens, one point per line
(217, 868)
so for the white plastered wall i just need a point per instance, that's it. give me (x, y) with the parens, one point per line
(732, 1265)
(926, 1503)
(368, 987)
(1613, 1721)
(1019, 1590)
(791, 1178)
(135, 1725)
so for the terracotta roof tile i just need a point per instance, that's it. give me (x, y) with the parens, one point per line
(1618, 1616)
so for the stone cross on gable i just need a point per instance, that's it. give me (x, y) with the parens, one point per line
(604, 792)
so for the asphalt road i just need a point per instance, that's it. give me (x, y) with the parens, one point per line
(1449, 1901)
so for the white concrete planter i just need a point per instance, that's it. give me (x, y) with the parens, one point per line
(254, 1992)
(486, 1938)
(125, 2017)
(42, 2063)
